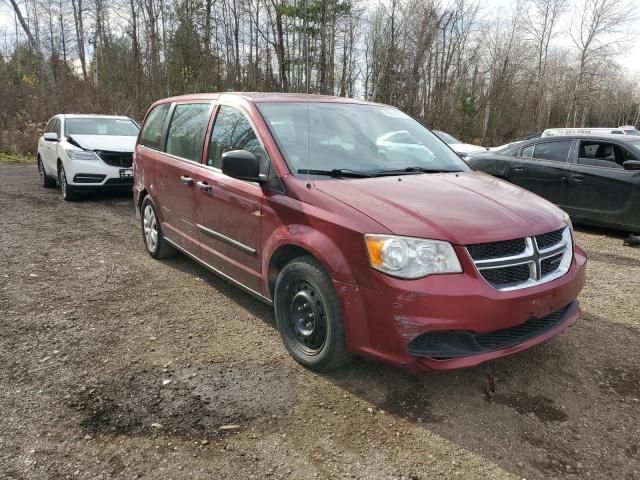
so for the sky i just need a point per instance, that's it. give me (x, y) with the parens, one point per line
(629, 58)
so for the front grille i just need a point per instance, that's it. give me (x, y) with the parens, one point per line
(504, 277)
(508, 337)
(524, 262)
(116, 159)
(460, 343)
(550, 239)
(508, 248)
(551, 264)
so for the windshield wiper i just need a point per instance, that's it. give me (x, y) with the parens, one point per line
(336, 173)
(409, 170)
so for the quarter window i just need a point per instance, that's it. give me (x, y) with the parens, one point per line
(527, 152)
(185, 138)
(151, 135)
(232, 131)
(556, 151)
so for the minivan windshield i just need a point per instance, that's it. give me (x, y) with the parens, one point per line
(632, 132)
(355, 140)
(101, 126)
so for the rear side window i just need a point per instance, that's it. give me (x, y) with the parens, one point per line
(232, 131)
(151, 135)
(187, 130)
(556, 151)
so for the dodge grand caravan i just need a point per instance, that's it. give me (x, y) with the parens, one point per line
(364, 247)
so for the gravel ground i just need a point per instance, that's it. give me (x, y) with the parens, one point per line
(116, 365)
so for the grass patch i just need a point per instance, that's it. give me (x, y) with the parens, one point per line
(15, 159)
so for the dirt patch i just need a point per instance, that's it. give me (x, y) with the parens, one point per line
(542, 407)
(623, 381)
(414, 403)
(189, 402)
(616, 259)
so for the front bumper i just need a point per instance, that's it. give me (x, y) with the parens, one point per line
(384, 320)
(95, 174)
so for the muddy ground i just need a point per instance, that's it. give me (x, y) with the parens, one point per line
(116, 365)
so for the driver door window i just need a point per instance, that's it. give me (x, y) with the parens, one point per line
(601, 154)
(232, 131)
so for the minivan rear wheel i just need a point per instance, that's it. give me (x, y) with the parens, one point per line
(152, 235)
(309, 316)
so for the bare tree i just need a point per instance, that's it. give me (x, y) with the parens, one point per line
(595, 33)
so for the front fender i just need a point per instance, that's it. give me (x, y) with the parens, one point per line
(324, 249)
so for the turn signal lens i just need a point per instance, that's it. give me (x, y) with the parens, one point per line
(408, 257)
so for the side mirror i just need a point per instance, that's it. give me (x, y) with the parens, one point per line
(241, 164)
(631, 165)
(50, 137)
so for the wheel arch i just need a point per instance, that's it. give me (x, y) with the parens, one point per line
(142, 194)
(292, 241)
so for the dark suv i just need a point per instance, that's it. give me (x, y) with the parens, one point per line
(595, 179)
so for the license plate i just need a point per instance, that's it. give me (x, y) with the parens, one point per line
(126, 173)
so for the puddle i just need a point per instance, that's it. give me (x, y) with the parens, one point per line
(542, 407)
(194, 401)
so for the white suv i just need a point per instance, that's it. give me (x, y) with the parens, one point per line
(87, 152)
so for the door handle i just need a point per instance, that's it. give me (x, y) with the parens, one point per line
(204, 186)
(578, 178)
(518, 169)
(186, 180)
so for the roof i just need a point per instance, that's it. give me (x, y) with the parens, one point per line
(622, 138)
(92, 115)
(260, 97)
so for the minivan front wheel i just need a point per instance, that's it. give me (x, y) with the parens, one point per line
(152, 235)
(309, 316)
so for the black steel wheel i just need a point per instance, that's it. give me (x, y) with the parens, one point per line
(309, 317)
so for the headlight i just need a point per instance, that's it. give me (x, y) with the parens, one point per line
(82, 155)
(407, 257)
(567, 220)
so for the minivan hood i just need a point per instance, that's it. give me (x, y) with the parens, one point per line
(105, 142)
(462, 208)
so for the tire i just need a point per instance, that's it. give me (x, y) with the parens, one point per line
(69, 194)
(309, 317)
(45, 180)
(152, 235)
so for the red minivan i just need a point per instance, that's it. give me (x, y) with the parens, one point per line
(367, 233)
